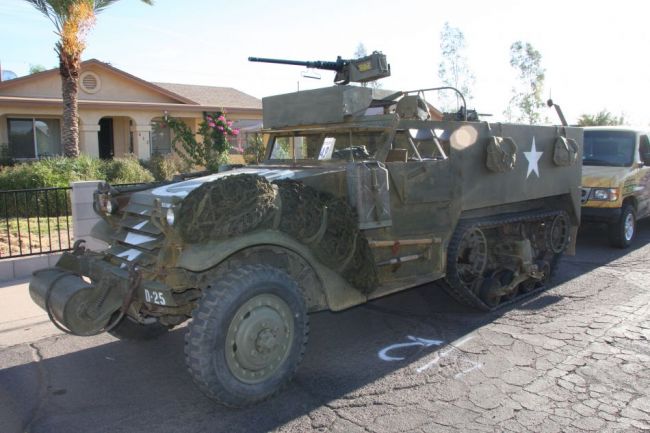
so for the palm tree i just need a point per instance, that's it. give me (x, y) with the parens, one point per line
(602, 118)
(72, 20)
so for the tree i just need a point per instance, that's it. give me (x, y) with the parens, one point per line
(602, 118)
(526, 102)
(359, 53)
(33, 69)
(454, 69)
(72, 20)
(255, 151)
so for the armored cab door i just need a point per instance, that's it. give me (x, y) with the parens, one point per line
(420, 201)
(421, 182)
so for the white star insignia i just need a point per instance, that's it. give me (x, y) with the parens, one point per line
(533, 158)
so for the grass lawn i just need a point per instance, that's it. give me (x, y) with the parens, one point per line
(34, 235)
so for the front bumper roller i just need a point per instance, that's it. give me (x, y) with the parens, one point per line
(84, 306)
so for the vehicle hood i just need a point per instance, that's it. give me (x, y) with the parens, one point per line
(595, 176)
(182, 189)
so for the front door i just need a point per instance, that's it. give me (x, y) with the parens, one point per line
(643, 177)
(105, 138)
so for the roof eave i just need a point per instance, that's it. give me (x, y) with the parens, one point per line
(86, 63)
(52, 102)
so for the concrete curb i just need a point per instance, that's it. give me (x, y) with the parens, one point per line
(22, 267)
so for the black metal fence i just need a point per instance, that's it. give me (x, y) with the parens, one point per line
(35, 221)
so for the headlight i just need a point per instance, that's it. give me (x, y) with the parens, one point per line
(604, 194)
(105, 204)
(170, 216)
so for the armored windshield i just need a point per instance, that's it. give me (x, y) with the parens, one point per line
(327, 146)
(609, 148)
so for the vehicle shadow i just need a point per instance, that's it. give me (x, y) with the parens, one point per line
(593, 249)
(120, 386)
(107, 385)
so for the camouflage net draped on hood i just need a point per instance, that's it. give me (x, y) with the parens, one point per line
(225, 207)
(233, 205)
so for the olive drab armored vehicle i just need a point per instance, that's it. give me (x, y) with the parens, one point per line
(364, 192)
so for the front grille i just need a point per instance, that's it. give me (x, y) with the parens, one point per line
(585, 195)
(138, 239)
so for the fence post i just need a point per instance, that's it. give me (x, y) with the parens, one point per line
(83, 215)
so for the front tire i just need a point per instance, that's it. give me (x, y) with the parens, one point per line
(248, 335)
(621, 233)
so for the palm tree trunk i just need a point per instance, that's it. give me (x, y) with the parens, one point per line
(69, 70)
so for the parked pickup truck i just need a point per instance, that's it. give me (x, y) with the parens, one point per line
(616, 180)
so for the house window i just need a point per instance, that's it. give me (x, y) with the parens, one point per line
(161, 141)
(34, 138)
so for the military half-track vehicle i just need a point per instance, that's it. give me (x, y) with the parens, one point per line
(362, 194)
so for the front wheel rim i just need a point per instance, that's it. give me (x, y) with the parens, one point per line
(628, 227)
(259, 338)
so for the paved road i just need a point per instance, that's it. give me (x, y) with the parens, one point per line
(574, 358)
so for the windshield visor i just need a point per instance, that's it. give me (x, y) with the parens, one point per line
(327, 146)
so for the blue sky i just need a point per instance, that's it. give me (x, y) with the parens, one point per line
(595, 52)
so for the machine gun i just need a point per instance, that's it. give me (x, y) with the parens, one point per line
(362, 70)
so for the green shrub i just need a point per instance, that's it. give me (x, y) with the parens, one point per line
(164, 167)
(60, 171)
(126, 170)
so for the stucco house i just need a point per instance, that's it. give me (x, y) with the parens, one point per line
(118, 113)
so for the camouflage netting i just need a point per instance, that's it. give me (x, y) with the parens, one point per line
(225, 207)
(238, 204)
(302, 209)
(341, 245)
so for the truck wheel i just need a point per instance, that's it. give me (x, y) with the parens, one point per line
(621, 233)
(247, 336)
(129, 329)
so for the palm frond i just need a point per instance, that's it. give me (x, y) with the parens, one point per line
(54, 10)
(100, 5)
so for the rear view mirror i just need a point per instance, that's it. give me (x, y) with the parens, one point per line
(645, 159)
(644, 149)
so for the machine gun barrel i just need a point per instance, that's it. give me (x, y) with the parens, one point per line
(318, 64)
(362, 70)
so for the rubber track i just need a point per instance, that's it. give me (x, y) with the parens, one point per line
(456, 288)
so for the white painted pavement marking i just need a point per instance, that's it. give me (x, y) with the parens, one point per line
(415, 341)
(442, 354)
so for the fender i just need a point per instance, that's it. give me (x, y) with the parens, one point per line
(200, 257)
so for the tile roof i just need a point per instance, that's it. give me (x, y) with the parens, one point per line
(226, 97)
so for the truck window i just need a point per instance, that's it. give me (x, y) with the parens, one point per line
(609, 148)
(322, 146)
